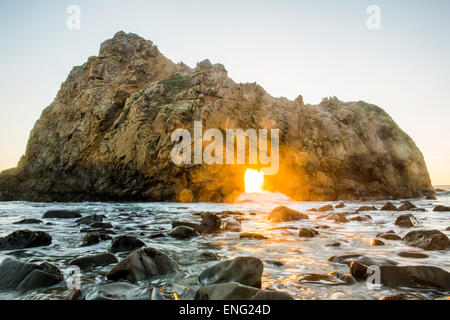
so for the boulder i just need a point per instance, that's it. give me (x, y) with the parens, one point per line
(95, 260)
(125, 243)
(282, 214)
(61, 214)
(28, 221)
(376, 242)
(441, 208)
(361, 218)
(307, 233)
(142, 264)
(406, 206)
(90, 219)
(366, 208)
(427, 239)
(411, 254)
(237, 291)
(210, 223)
(101, 225)
(22, 239)
(337, 217)
(389, 207)
(327, 207)
(183, 232)
(407, 221)
(22, 276)
(365, 260)
(92, 238)
(244, 270)
(253, 236)
(232, 225)
(390, 235)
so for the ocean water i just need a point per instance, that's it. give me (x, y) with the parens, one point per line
(286, 256)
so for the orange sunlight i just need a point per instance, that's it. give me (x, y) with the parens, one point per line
(254, 181)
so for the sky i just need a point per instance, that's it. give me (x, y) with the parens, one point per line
(313, 48)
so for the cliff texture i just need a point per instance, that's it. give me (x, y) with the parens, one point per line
(107, 136)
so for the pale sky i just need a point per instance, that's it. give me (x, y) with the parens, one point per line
(314, 48)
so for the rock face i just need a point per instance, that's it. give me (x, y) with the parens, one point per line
(107, 136)
(22, 276)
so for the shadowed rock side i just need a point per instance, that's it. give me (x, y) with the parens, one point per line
(107, 136)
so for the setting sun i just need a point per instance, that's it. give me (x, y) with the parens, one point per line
(254, 181)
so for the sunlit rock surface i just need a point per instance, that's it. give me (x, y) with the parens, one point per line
(106, 136)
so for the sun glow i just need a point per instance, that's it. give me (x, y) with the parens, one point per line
(254, 181)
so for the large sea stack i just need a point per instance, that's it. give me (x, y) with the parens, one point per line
(107, 136)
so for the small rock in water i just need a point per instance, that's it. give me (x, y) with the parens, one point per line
(390, 235)
(211, 256)
(101, 225)
(232, 225)
(90, 219)
(362, 218)
(101, 259)
(440, 190)
(340, 205)
(251, 235)
(183, 232)
(404, 296)
(244, 270)
(441, 208)
(407, 221)
(389, 207)
(75, 294)
(337, 217)
(411, 254)
(28, 221)
(274, 262)
(210, 223)
(237, 291)
(124, 243)
(92, 238)
(327, 207)
(61, 214)
(430, 197)
(307, 233)
(142, 264)
(427, 239)
(406, 206)
(366, 208)
(156, 235)
(22, 276)
(115, 291)
(333, 244)
(376, 242)
(282, 214)
(22, 239)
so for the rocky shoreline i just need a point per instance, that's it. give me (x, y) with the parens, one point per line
(129, 262)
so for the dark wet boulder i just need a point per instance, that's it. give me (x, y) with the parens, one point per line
(192, 225)
(125, 243)
(366, 208)
(211, 223)
(156, 235)
(365, 260)
(28, 221)
(232, 225)
(211, 256)
(406, 206)
(403, 276)
(340, 205)
(427, 239)
(441, 208)
(337, 217)
(22, 239)
(244, 270)
(252, 235)
(61, 214)
(307, 233)
(101, 225)
(407, 221)
(430, 197)
(390, 235)
(183, 233)
(376, 242)
(22, 276)
(282, 214)
(142, 264)
(361, 218)
(95, 260)
(389, 207)
(404, 296)
(237, 291)
(90, 219)
(92, 238)
(412, 254)
(327, 207)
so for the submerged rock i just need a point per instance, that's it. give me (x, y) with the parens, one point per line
(390, 235)
(124, 243)
(91, 219)
(365, 260)
(237, 291)
(22, 276)
(340, 205)
(116, 291)
(407, 206)
(251, 235)
(142, 264)
(282, 214)
(361, 218)
(28, 221)
(307, 233)
(61, 214)
(183, 232)
(101, 259)
(327, 207)
(244, 270)
(389, 207)
(92, 238)
(407, 221)
(441, 208)
(211, 256)
(366, 208)
(427, 239)
(411, 254)
(22, 239)
(232, 225)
